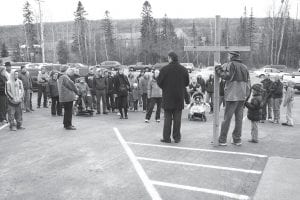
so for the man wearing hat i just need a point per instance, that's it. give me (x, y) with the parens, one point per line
(237, 89)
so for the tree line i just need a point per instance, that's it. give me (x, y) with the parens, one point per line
(273, 40)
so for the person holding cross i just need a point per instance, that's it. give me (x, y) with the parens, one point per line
(237, 90)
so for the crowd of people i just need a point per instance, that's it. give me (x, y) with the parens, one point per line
(166, 88)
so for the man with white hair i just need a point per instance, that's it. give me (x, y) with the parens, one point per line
(67, 94)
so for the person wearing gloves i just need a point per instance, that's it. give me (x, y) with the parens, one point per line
(14, 92)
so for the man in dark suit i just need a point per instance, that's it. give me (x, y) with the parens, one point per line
(173, 80)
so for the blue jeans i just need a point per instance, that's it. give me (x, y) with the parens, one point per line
(236, 108)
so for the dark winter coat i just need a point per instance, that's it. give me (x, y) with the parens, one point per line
(222, 87)
(89, 80)
(121, 85)
(267, 83)
(3, 80)
(110, 85)
(66, 89)
(26, 80)
(209, 86)
(277, 90)
(254, 108)
(53, 88)
(100, 83)
(173, 80)
(201, 82)
(194, 88)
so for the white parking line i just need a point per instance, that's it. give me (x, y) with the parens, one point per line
(2, 127)
(203, 150)
(204, 190)
(139, 169)
(200, 165)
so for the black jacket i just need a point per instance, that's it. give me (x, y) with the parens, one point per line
(255, 108)
(201, 82)
(276, 89)
(173, 80)
(121, 84)
(209, 86)
(2, 84)
(267, 83)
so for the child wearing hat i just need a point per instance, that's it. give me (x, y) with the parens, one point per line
(255, 110)
(288, 103)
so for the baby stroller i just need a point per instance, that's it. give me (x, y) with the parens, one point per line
(198, 107)
(81, 108)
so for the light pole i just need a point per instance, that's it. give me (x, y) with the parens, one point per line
(42, 30)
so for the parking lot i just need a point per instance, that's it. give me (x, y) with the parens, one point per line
(108, 158)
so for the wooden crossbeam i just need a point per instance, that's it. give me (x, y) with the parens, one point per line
(216, 48)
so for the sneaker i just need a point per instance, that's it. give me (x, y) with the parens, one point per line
(165, 141)
(121, 117)
(253, 141)
(119, 114)
(126, 117)
(105, 113)
(20, 128)
(276, 122)
(262, 121)
(177, 141)
(222, 144)
(286, 124)
(98, 113)
(146, 120)
(236, 143)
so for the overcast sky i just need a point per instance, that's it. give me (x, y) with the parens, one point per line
(62, 10)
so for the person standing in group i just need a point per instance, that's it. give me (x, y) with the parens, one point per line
(142, 73)
(143, 84)
(288, 102)
(122, 87)
(201, 82)
(3, 100)
(56, 108)
(27, 85)
(135, 96)
(67, 94)
(155, 95)
(209, 86)
(42, 79)
(15, 93)
(100, 87)
(255, 110)
(267, 108)
(110, 99)
(277, 94)
(237, 89)
(89, 80)
(131, 80)
(173, 80)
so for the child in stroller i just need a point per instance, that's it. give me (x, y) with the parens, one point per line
(198, 107)
(83, 104)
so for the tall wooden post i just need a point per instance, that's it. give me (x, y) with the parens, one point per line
(216, 81)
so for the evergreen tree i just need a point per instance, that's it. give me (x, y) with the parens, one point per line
(194, 33)
(148, 35)
(62, 52)
(110, 40)
(251, 29)
(4, 52)
(30, 31)
(80, 35)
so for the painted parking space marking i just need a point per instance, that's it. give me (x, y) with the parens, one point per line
(201, 165)
(2, 127)
(202, 150)
(138, 167)
(203, 190)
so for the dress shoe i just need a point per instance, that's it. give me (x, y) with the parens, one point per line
(177, 141)
(70, 128)
(165, 141)
(20, 128)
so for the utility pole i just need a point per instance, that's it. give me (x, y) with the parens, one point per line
(42, 30)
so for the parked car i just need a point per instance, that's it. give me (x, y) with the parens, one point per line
(189, 66)
(295, 77)
(281, 68)
(111, 65)
(140, 66)
(159, 65)
(261, 73)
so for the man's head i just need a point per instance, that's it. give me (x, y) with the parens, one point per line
(23, 69)
(70, 72)
(172, 57)
(91, 70)
(8, 66)
(156, 73)
(16, 74)
(233, 55)
(277, 78)
(121, 70)
(55, 75)
(43, 69)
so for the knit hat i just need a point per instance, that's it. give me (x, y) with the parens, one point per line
(64, 68)
(7, 64)
(235, 53)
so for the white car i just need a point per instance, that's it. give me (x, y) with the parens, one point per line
(189, 66)
(261, 73)
(294, 77)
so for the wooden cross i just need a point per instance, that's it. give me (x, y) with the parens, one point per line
(216, 49)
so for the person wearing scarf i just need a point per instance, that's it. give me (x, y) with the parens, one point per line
(14, 92)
